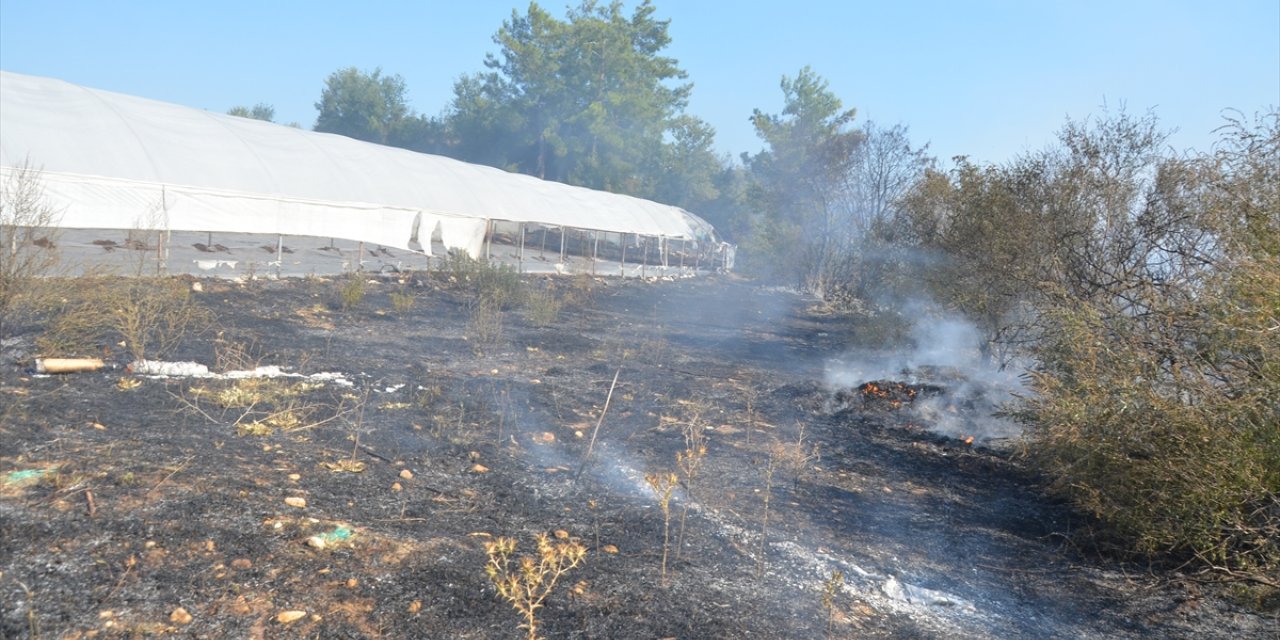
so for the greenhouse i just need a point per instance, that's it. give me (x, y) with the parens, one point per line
(109, 161)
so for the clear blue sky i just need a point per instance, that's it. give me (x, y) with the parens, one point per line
(984, 78)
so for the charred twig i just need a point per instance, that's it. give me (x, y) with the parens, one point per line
(1225, 574)
(764, 520)
(375, 454)
(193, 407)
(31, 609)
(182, 465)
(128, 568)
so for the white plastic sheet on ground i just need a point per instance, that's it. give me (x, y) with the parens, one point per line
(110, 161)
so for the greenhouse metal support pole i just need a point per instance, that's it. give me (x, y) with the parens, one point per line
(520, 251)
(622, 265)
(644, 255)
(562, 234)
(595, 250)
(162, 265)
(279, 253)
(488, 238)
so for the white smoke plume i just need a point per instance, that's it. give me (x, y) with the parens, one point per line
(945, 352)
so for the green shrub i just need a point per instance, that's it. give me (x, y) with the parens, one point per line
(350, 291)
(543, 306)
(500, 284)
(402, 301)
(1166, 425)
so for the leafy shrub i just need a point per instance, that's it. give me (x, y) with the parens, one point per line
(349, 291)
(1166, 427)
(500, 284)
(543, 306)
(402, 301)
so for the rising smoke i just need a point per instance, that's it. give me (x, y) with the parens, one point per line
(944, 352)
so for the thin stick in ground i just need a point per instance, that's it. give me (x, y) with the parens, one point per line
(764, 519)
(586, 458)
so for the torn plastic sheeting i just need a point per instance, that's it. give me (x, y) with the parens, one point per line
(340, 534)
(159, 368)
(25, 477)
(463, 234)
(169, 369)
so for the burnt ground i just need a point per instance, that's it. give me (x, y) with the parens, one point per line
(128, 497)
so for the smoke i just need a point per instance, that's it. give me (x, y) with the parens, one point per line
(944, 353)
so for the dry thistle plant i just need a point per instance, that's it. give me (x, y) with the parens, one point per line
(663, 484)
(527, 585)
(831, 588)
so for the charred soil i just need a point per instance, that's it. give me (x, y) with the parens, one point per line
(358, 505)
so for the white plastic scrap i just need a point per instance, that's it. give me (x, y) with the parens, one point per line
(162, 369)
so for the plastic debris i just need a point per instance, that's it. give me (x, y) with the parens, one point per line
(28, 476)
(340, 534)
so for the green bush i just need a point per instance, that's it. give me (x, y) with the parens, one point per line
(543, 306)
(499, 284)
(402, 301)
(1166, 425)
(350, 291)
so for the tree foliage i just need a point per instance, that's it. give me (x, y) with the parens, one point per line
(824, 190)
(261, 111)
(589, 100)
(808, 150)
(365, 106)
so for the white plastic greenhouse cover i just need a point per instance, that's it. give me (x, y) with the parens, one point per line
(114, 161)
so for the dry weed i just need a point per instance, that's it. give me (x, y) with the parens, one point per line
(527, 585)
